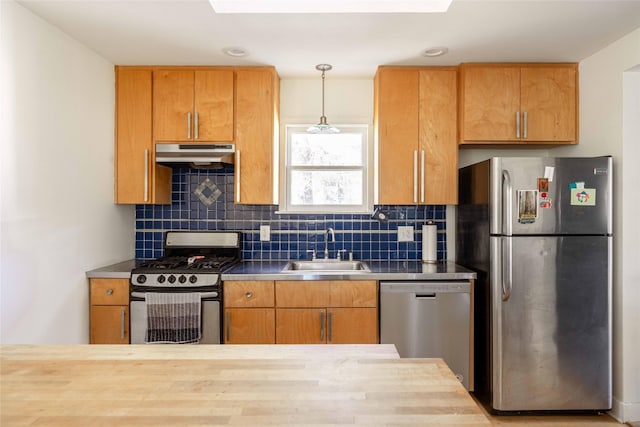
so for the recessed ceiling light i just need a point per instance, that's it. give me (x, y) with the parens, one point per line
(330, 6)
(435, 51)
(235, 51)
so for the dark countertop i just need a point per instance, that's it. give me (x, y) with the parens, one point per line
(121, 270)
(380, 270)
(272, 270)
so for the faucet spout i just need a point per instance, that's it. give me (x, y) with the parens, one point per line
(328, 233)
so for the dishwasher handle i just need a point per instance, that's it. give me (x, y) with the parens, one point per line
(425, 296)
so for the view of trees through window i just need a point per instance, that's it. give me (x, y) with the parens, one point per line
(327, 170)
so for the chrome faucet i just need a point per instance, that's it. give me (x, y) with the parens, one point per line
(328, 233)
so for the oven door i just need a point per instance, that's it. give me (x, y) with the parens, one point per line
(210, 318)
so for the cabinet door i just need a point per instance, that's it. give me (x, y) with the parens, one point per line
(549, 100)
(173, 101)
(352, 326)
(109, 324)
(213, 106)
(490, 103)
(398, 133)
(249, 326)
(438, 137)
(138, 180)
(257, 130)
(301, 326)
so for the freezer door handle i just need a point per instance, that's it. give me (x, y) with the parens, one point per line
(507, 203)
(507, 268)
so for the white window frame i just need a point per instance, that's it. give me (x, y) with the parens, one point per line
(367, 174)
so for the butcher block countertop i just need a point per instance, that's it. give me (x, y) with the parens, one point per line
(186, 385)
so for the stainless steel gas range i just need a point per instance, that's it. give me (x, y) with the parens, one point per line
(177, 298)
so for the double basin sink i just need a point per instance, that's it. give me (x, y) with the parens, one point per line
(326, 266)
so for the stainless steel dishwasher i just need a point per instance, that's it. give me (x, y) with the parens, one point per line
(429, 319)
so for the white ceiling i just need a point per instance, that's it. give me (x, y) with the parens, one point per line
(188, 32)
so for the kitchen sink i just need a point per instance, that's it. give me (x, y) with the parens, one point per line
(325, 266)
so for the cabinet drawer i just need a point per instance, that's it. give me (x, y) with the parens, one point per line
(109, 292)
(248, 293)
(302, 293)
(357, 293)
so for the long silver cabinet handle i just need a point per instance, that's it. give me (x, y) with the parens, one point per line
(525, 131)
(422, 174)
(322, 326)
(415, 176)
(202, 294)
(123, 313)
(518, 124)
(507, 276)
(146, 175)
(238, 170)
(329, 327)
(189, 125)
(195, 126)
(507, 199)
(227, 325)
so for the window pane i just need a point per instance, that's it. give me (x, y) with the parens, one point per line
(326, 187)
(344, 149)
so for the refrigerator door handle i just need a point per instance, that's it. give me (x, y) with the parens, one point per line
(507, 268)
(507, 204)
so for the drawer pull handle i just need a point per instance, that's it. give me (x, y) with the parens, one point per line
(109, 291)
(228, 325)
(249, 295)
(122, 322)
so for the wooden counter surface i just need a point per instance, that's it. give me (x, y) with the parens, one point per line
(83, 385)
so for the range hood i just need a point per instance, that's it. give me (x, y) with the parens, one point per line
(198, 155)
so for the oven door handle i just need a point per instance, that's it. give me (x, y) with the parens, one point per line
(203, 295)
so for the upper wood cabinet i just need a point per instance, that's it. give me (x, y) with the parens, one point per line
(257, 133)
(138, 180)
(415, 120)
(193, 105)
(518, 103)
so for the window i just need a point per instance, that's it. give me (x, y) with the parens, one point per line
(327, 173)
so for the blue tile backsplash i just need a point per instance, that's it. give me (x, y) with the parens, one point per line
(209, 206)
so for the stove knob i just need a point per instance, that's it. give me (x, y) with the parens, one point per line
(172, 279)
(161, 278)
(182, 279)
(141, 278)
(193, 278)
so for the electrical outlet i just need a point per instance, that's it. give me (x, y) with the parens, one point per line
(265, 233)
(405, 233)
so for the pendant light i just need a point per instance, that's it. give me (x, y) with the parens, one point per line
(323, 126)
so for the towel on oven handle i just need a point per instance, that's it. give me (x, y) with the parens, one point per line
(173, 317)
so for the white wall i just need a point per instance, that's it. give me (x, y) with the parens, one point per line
(609, 117)
(347, 101)
(57, 215)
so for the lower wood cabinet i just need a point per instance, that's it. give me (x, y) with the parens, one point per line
(109, 311)
(301, 312)
(327, 326)
(249, 314)
(332, 312)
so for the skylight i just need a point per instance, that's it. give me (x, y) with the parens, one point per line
(330, 6)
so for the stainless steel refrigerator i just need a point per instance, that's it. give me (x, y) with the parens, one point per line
(538, 231)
